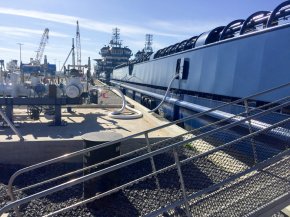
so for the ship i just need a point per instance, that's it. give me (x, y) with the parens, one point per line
(236, 166)
(227, 63)
(112, 55)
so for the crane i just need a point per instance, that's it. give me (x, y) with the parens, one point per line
(78, 47)
(40, 50)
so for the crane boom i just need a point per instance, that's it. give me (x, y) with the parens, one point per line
(40, 50)
(78, 46)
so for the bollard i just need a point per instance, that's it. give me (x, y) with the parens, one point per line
(107, 181)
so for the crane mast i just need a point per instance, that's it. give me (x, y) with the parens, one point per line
(40, 50)
(78, 47)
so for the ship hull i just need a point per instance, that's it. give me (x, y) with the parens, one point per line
(218, 73)
(232, 68)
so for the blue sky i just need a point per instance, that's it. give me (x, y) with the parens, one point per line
(169, 21)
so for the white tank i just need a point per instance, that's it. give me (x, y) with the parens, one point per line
(6, 89)
(15, 78)
(74, 87)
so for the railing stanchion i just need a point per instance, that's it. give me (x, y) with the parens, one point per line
(251, 131)
(181, 180)
(152, 159)
(11, 125)
(16, 208)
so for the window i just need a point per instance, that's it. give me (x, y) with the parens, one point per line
(131, 69)
(182, 68)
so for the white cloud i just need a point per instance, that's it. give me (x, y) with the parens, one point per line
(16, 31)
(164, 32)
(8, 49)
(85, 23)
(188, 28)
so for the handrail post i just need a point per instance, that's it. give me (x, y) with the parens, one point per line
(11, 125)
(181, 180)
(251, 131)
(12, 198)
(152, 160)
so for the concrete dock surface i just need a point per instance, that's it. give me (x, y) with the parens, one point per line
(42, 141)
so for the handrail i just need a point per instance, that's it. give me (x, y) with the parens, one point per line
(146, 156)
(144, 148)
(267, 162)
(217, 186)
(73, 154)
(11, 125)
(237, 122)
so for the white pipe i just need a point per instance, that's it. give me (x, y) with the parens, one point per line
(166, 93)
(137, 114)
(199, 108)
(124, 104)
(118, 113)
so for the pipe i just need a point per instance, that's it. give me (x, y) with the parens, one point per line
(118, 113)
(284, 133)
(137, 114)
(166, 93)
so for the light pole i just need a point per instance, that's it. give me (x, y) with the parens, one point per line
(59, 65)
(20, 51)
(21, 73)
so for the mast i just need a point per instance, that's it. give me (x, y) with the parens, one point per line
(78, 47)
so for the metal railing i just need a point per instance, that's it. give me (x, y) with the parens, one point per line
(11, 125)
(216, 145)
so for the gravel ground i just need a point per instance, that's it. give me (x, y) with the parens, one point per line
(148, 195)
(127, 202)
(136, 200)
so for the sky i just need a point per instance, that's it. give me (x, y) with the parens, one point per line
(169, 21)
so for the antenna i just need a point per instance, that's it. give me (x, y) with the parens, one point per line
(148, 43)
(116, 42)
(78, 47)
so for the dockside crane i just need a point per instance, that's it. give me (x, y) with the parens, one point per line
(75, 67)
(40, 50)
(78, 47)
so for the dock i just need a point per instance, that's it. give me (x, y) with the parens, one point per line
(162, 168)
(42, 141)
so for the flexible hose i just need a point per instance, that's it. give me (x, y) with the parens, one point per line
(118, 113)
(124, 104)
(137, 114)
(166, 93)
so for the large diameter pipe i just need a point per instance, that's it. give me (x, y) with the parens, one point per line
(281, 132)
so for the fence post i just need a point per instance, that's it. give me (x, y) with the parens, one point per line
(251, 131)
(152, 159)
(181, 180)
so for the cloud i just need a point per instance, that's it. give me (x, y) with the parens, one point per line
(85, 23)
(186, 27)
(16, 31)
(164, 32)
(8, 49)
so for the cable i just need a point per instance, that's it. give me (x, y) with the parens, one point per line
(166, 93)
